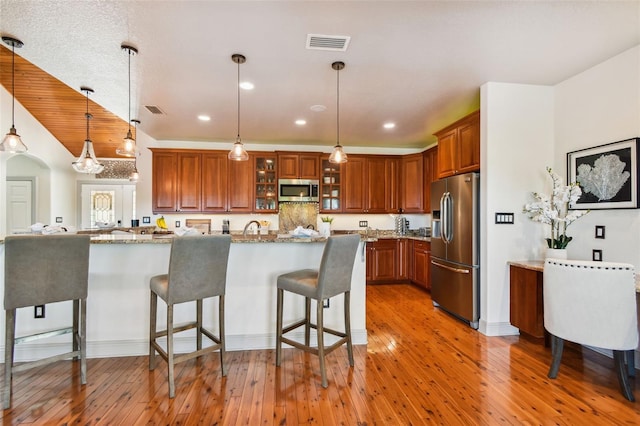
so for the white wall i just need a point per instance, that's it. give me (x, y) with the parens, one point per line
(599, 106)
(516, 147)
(44, 147)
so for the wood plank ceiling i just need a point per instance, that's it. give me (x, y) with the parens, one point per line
(60, 108)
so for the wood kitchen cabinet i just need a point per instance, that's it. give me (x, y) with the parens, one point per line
(382, 261)
(330, 187)
(526, 306)
(421, 266)
(412, 186)
(266, 183)
(430, 175)
(459, 146)
(371, 184)
(190, 181)
(298, 165)
(176, 182)
(215, 179)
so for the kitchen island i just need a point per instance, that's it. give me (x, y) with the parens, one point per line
(120, 267)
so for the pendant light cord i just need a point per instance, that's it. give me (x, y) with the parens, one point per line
(238, 99)
(338, 109)
(13, 84)
(88, 116)
(129, 50)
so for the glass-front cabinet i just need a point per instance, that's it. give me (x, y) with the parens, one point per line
(266, 183)
(331, 187)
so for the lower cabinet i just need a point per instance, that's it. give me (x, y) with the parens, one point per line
(382, 261)
(396, 260)
(526, 306)
(421, 267)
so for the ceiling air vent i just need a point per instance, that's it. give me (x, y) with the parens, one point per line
(328, 42)
(154, 109)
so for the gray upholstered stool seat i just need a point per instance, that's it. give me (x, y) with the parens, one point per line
(39, 270)
(197, 270)
(332, 278)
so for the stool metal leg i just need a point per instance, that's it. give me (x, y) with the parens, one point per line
(222, 339)
(10, 331)
(153, 314)
(347, 325)
(279, 327)
(172, 387)
(320, 329)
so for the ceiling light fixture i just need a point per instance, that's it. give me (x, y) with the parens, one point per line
(301, 122)
(238, 153)
(203, 117)
(389, 125)
(135, 176)
(338, 155)
(247, 85)
(87, 161)
(12, 142)
(128, 146)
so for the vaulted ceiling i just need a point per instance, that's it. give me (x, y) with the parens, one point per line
(419, 64)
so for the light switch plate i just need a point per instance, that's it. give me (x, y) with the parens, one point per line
(504, 218)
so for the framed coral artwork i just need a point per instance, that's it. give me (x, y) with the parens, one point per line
(607, 175)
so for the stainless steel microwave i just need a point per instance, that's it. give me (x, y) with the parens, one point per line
(300, 190)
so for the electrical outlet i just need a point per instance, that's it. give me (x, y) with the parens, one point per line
(363, 223)
(38, 311)
(177, 224)
(325, 303)
(58, 219)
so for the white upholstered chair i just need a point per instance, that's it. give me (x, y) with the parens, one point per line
(594, 304)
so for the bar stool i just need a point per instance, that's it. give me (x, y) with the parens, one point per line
(39, 270)
(197, 270)
(332, 278)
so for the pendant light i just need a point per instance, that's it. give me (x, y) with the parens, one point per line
(87, 161)
(128, 146)
(135, 176)
(238, 153)
(12, 142)
(338, 155)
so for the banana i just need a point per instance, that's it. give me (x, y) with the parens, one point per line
(162, 224)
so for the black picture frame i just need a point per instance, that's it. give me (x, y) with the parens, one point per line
(607, 175)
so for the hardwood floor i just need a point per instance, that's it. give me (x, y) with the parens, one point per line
(421, 366)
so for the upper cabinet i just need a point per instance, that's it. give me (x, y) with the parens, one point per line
(412, 186)
(298, 165)
(459, 146)
(430, 175)
(189, 181)
(371, 184)
(330, 187)
(266, 183)
(176, 181)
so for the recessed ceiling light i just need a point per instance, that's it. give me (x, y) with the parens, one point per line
(247, 85)
(301, 122)
(318, 108)
(389, 125)
(203, 117)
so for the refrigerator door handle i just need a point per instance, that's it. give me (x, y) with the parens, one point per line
(446, 217)
(443, 218)
(459, 270)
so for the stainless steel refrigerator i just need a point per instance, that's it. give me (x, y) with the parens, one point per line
(455, 246)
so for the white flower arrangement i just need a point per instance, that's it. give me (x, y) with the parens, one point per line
(555, 211)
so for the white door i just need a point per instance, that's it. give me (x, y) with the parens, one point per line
(20, 209)
(107, 203)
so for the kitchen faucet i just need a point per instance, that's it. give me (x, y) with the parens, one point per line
(244, 232)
